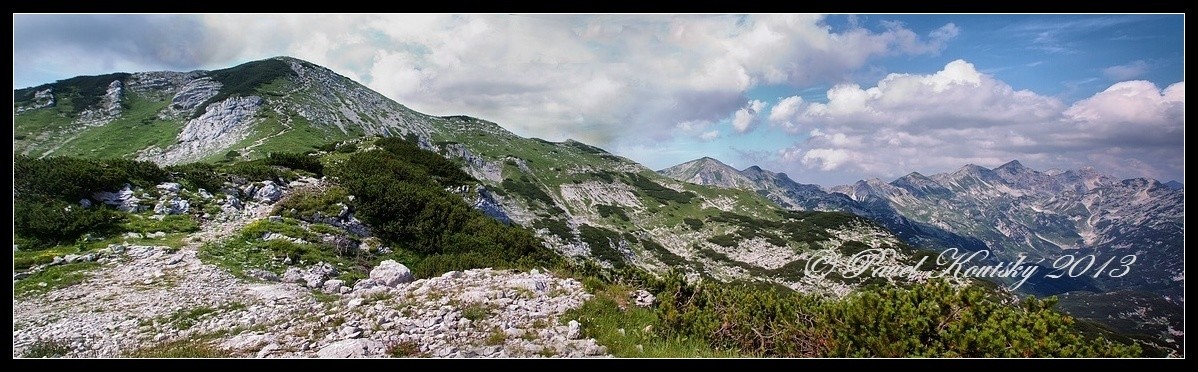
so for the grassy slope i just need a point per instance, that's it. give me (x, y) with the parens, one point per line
(553, 165)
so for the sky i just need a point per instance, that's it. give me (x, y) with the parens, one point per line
(827, 99)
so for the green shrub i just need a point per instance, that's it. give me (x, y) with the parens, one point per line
(199, 175)
(304, 204)
(403, 199)
(611, 210)
(82, 91)
(694, 223)
(442, 170)
(44, 222)
(347, 148)
(47, 349)
(527, 189)
(661, 193)
(602, 242)
(244, 79)
(555, 227)
(70, 179)
(725, 240)
(932, 320)
(296, 161)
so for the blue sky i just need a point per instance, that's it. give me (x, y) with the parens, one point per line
(826, 99)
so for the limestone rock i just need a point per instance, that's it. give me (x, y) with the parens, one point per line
(352, 348)
(391, 273)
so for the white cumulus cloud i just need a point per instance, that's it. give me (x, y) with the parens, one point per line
(959, 115)
(745, 118)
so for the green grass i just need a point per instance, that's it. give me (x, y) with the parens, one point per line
(602, 318)
(404, 349)
(301, 138)
(47, 349)
(135, 129)
(186, 318)
(247, 251)
(495, 337)
(55, 277)
(27, 258)
(476, 311)
(306, 203)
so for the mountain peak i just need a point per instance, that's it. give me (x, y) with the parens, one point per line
(1012, 166)
(1173, 184)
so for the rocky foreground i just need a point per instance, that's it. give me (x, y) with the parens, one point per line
(135, 301)
(143, 297)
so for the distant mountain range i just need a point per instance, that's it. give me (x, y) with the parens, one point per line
(1013, 210)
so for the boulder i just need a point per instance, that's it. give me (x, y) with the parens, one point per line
(643, 298)
(269, 192)
(573, 330)
(390, 273)
(333, 286)
(293, 275)
(317, 274)
(123, 199)
(169, 187)
(232, 204)
(172, 205)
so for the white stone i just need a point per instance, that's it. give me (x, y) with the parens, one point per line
(390, 273)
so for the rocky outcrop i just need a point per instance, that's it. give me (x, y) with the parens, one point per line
(41, 98)
(108, 108)
(172, 205)
(582, 195)
(476, 166)
(192, 94)
(338, 101)
(123, 199)
(136, 298)
(223, 124)
(268, 193)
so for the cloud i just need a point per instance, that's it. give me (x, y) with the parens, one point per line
(710, 135)
(745, 118)
(596, 78)
(827, 159)
(941, 121)
(1127, 71)
(1130, 113)
(954, 97)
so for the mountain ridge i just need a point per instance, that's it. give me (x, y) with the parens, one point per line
(585, 202)
(1014, 210)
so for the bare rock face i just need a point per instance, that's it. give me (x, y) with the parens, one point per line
(223, 124)
(108, 108)
(192, 94)
(41, 98)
